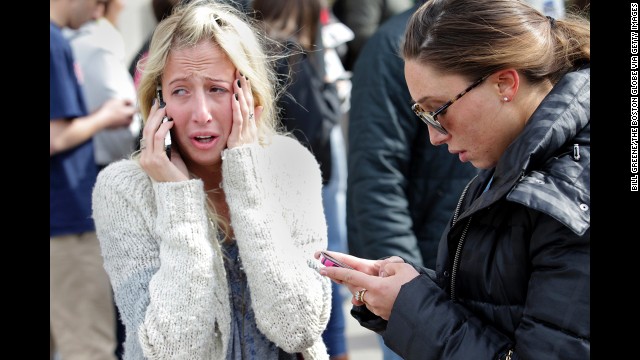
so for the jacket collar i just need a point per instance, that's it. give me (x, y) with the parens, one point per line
(562, 115)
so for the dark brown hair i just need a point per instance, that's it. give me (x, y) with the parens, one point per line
(297, 19)
(477, 37)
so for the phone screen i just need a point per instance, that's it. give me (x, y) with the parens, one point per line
(328, 260)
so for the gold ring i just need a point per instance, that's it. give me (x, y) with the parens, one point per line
(359, 295)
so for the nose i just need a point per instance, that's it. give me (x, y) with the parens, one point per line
(436, 137)
(201, 111)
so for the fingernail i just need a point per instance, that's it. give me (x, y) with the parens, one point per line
(323, 272)
(236, 95)
(239, 83)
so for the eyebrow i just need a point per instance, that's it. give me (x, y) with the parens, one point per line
(184, 78)
(422, 100)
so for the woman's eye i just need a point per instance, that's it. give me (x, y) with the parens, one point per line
(216, 89)
(178, 92)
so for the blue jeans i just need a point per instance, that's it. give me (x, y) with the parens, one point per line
(334, 335)
(334, 202)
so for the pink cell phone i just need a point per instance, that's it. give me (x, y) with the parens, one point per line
(328, 260)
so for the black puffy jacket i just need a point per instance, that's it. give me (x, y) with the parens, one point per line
(513, 268)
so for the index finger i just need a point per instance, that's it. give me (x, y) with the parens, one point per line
(154, 120)
(347, 276)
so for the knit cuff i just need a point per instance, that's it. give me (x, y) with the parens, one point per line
(180, 203)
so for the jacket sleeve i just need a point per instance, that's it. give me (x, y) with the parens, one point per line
(382, 129)
(275, 199)
(555, 320)
(159, 259)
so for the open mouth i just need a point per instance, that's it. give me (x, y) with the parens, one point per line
(204, 139)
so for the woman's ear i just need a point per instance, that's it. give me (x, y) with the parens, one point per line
(508, 82)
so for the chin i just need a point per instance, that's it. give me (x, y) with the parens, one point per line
(483, 165)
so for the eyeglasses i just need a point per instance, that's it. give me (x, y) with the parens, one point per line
(429, 117)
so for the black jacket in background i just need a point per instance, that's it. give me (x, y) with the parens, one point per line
(401, 190)
(311, 107)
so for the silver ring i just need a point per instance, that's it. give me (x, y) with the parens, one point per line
(251, 116)
(359, 295)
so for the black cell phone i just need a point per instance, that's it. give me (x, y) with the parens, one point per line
(167, 138)
(328, 260)
(159, 96)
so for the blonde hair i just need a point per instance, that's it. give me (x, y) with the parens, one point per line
(477, 37)
(239, 38)
(234, 33)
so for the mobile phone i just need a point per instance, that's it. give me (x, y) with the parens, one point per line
(328, 260)
(159, 96)
(167, 138)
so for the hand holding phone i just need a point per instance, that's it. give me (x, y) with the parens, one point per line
(328, 260)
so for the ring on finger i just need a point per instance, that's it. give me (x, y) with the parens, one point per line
(359, 295)
(142, 144)
(251, 116)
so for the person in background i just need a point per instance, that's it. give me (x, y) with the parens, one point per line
(82, 318)
(161, 9)
(310, 110)
(512, 276)
(98, 48)
(364, 17)
(209, 245)
(401, 189)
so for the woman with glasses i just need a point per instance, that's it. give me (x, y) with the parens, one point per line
(508, 90)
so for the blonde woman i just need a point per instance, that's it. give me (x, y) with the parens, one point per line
(210, 250)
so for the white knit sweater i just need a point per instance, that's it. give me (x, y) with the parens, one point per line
(169, 280)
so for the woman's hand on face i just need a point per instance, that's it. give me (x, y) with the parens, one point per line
(244, 129)
(153, 158)
(381, 292)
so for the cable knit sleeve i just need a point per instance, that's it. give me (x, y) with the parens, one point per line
(275, 198)
(156, 248)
